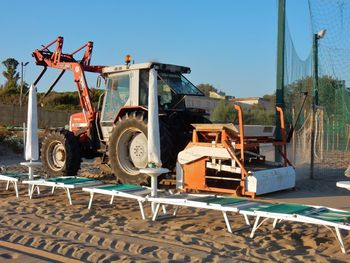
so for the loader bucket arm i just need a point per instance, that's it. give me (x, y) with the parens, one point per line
(59, 60)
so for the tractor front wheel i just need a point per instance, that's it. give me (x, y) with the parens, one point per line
(128, 148)
(60, 153)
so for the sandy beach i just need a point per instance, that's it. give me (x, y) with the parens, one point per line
(48, 229)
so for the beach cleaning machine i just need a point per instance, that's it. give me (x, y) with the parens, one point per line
(226, 158)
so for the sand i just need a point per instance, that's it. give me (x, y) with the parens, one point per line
(48, 229)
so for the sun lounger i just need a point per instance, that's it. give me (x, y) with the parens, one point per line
(65, 182)
(328, 217)
(13, 178)
(137, 192)
(210, 202)
(344, 184)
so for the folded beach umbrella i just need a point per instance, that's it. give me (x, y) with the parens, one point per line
(153, 121)
(32, 141)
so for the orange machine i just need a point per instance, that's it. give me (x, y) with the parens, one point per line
(221, 157)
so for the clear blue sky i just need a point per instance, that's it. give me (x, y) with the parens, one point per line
(230, 44)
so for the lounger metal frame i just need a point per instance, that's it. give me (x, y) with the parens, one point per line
(14, 181)
(306, 218)
(189, 200)
(35, 184)
(9, 180)
(140, 195)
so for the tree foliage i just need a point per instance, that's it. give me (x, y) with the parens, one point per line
(328, 89)
(67, 100)
(224, 112)
(11, 75)
(207, 88)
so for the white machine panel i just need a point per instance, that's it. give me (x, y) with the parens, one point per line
(271, 180)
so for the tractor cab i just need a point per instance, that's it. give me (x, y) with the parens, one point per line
(124, 113)
(127, 87)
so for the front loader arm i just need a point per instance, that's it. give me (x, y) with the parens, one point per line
(57, 59)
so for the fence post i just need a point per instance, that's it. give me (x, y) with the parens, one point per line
(293, 136)
(321, 134)
(333, 133)
(312, 145)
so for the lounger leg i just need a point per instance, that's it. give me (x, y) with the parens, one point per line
(156, 210)
(69, 197)
(141, 210)
(91, 197)
(112, 198)
(275, 221)
(38, 189)
(52, 190)
(340, 240)
(7, 185)
(227, 222)
(31, 191)
(246, 220)
(176, 209)
(164, 209)
(255, 226)
(16, 188)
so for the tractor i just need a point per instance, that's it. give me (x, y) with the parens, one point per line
(116, 130)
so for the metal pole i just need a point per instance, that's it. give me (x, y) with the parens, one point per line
(293, 137)
(316, 38)
(21, 91)
(314, 103)
(321, 134)
(23, 65)
(154, 185)
(280, 72)
(24, 138)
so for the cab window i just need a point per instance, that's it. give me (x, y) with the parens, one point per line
(117, 94)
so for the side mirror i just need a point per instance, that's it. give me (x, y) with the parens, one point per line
(98, 82)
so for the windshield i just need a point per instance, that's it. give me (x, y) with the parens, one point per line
(179, 84)
(172, 89)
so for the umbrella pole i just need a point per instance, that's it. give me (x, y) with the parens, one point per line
(30, 170)
(154, 185)
(31, 165)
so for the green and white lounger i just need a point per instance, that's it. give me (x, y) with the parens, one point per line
(210, 202)
(328, 217)
(64, 182)
(137, 192)
(13, 178)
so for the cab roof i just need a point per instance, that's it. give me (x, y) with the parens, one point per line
(147, 65)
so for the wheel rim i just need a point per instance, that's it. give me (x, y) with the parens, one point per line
(56, 156)
(132, 151)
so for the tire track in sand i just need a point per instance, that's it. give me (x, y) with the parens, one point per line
(70, 241)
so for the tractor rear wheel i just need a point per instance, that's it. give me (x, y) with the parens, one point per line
(128, 149)
(60, 153)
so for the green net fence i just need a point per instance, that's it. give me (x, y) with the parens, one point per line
(331, 121)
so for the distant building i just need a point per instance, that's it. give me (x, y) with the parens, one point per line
(207, 103)
(249, 102)
(217, 95)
